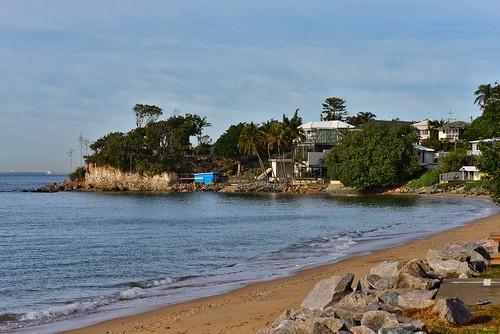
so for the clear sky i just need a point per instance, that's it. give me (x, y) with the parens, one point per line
(71, 67)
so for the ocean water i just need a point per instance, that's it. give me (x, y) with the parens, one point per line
(70, 259)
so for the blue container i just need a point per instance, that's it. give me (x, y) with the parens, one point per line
(206, 178)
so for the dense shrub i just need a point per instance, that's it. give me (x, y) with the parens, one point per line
(78, 174)
(377, 156)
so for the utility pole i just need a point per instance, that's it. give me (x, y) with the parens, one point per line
(80, 139)
(70, 155)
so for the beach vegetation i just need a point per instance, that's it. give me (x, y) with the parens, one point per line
(334, 109)
(78, 174)
(377, 156)
(428, 178)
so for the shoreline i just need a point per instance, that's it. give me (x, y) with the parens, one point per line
(255, 306)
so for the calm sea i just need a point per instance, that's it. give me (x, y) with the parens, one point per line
(70, 259)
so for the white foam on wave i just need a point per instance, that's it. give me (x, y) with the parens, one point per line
(133, 293)
(64, 310)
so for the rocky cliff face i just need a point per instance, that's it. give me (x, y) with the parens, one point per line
(108, 178)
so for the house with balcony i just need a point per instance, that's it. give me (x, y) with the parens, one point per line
(452, 131)
(319, 137)
(425, 130)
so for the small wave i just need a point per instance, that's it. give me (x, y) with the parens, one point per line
(133, 293)
(65, 310)
(152, 283)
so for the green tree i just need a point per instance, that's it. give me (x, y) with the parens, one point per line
(334, 109)
(487, 125)
(361, 118)
(227, 144)
(490, 164)
(377, 156)
(146, 114)
(454, 160)
(251, 141)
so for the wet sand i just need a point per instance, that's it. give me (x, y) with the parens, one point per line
(246, 310)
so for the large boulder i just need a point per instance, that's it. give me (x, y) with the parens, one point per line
(328, 291)
(376, 320)
(388, 269)
(450, 268)
(416, 299)
(453, 310)
(449, 252)
(489, 245)
(407, 280)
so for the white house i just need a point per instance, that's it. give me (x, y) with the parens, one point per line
(452, 131)
(424, 129)
(427, 156)
(324, 132)
(475, 145)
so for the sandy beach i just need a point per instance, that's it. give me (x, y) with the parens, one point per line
(254, 307)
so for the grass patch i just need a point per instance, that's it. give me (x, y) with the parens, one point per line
(487, 321)
(491, 272)
(427, 179)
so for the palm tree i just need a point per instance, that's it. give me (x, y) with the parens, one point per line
(200, 123)
(484, 94)
(251, 139)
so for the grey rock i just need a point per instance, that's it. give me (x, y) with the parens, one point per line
(379, 319)
(416, 299)
(453, 310)
(489, 245)
(449, 268)
(449, 252)
(406, 280)
(361, 330)
(413, 325)
(388, 269)
(354, 312)
(356, 298)
(328, 291)
(391, 301)
(285, 315)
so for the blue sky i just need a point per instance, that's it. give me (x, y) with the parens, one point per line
(71, 67)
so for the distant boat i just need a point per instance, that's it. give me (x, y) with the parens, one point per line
(49, 172)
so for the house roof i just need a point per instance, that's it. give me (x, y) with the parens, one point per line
(423, 148)
(423, 123)
(326, 125)
(455, 125)
(469, 169)
(488, 140)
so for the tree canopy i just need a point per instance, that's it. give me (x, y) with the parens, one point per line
(361, 118)
(146, 114)
(227, 144)
(378, 156)
(490, 165)
(334, 109)
(157, 147)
